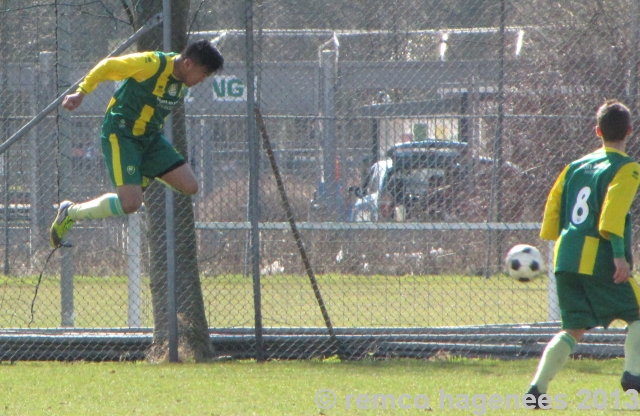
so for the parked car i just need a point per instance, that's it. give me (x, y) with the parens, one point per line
(413, 182)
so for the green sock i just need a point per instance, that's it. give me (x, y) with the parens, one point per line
(632, 349)
(553, 359)
(107, 205)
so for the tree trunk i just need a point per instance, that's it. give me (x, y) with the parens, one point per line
(193, 333)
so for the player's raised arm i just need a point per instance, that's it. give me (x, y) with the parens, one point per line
(73, 101)
(139, 66)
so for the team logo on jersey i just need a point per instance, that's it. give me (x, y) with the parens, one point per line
(131, 169)
(122, 124)
(173, 90)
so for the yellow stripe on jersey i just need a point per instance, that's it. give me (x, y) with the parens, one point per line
(141, 123)
(111, 103)
(161, 83)
(556, 247)
(550, 229)
(588, 257)
(622, 189)
(636, 289)
(115, 160)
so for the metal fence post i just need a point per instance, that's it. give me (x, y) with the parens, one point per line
(497, 173)
(254, 160)
(7, 186)
(328, 71)
(34, 198)
(170, 217)
(134, 257)
(65, 167)
(634, 57)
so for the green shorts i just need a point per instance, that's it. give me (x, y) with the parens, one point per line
(130, 158)
(590, 301)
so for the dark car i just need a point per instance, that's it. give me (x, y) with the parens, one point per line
(414, 182)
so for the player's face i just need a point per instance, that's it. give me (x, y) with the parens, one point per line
(193, 74)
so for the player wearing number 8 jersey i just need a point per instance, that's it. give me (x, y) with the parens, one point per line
(590, 201)
(587, 215)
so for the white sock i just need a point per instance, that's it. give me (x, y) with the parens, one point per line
(107, 205)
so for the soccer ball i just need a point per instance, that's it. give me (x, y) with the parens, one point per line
(524, 262)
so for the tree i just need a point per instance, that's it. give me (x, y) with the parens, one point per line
(192, 323)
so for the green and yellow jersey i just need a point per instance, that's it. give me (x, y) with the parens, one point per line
(147, 95)
(589, 201)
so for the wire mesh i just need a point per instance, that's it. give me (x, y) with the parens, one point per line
(416, 141)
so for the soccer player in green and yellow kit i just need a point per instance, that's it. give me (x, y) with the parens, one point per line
(587, 215)
(132, 141)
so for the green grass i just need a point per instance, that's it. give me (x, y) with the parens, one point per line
(285, 388)
(287, 300)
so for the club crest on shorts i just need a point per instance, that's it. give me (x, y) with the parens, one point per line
(131, 170)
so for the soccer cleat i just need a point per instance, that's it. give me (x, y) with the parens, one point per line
(630, 382)
(533, 390)
(61, 225)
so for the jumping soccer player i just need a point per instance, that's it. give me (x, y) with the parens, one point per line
(132, 141)
(587, 214)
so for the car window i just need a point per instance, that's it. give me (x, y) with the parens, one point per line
(417, 181)
(419, 177)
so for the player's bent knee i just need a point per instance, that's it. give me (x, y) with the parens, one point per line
(129, 207)
(190, 189)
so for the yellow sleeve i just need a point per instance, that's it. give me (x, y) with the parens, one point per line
(617, 202)
(139, 66)
(550, 229)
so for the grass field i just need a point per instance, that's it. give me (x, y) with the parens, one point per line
(290, 388)
(287, 300)
(451, 385)
(287, 387)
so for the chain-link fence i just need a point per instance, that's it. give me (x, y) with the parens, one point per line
(415, 143)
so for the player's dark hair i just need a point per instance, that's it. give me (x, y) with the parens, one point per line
(203, 53)
(614, 120)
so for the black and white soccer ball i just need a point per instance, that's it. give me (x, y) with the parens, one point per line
(524, 262)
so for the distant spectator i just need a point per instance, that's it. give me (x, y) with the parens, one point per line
(77, 156)
(89, 154)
